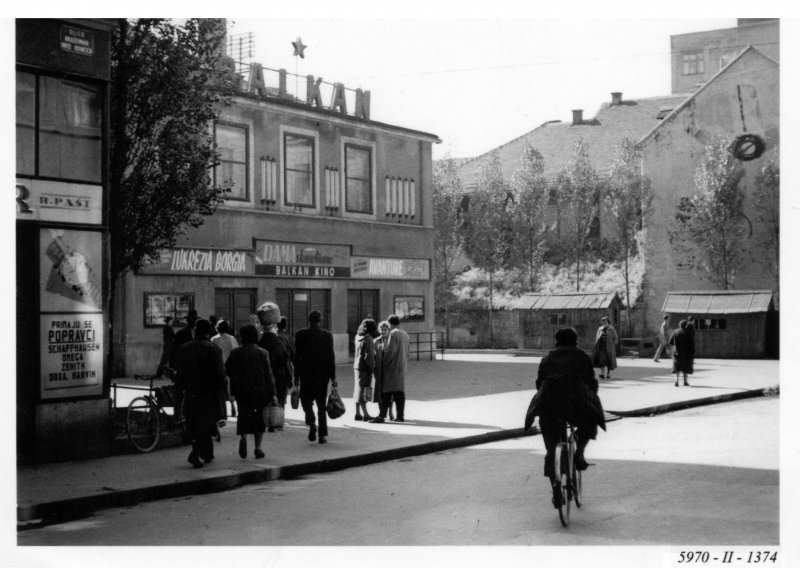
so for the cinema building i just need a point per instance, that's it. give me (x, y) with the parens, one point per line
(326, 210)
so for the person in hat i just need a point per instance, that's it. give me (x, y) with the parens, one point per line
(201, 375)
(567, 391)
(269, 315)
(316, 366)
(183, 336)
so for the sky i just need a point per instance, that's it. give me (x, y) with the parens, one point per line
(477, 83)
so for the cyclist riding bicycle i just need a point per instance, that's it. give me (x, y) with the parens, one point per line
(566, 391)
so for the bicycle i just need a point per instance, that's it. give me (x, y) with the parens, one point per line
(567, 479)
(146, 413)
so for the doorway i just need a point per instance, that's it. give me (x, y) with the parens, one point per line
(297, 303)
(361, 304)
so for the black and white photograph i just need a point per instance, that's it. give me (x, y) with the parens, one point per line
(434, 283)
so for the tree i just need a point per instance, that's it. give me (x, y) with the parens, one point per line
(168, 86)
(766, 202)
(531, 193)
(486, 226)
(629, 201)
(578, 192)
(711, 222)
(447, 238)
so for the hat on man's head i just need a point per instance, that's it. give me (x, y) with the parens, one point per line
(191, 315)
(314, 317)
(269, 313)
(566, 337)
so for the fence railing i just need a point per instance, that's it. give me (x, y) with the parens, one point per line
(426, 342)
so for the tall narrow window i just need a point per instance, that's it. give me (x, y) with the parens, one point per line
(231, 173)
(26, 123)
(358, 179)
(299, 170)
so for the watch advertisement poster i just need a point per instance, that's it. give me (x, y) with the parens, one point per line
(70, 270)
(72, 355)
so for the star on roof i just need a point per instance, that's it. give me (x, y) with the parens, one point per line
(299, 48)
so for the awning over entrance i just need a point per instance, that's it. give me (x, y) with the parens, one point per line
(718, 302)
(578, 300)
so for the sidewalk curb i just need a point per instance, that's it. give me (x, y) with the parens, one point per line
(673, 406)
(55, 512)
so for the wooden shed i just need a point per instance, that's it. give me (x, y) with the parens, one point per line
(543, 314)
(739, 324)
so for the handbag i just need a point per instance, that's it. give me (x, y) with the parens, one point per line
(275, 415)
(367, 394)
(335, 407)
(295, 397)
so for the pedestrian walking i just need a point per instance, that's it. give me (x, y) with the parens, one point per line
(384, 404)
(682, 353)
(253, 386)
(663, 339)
(227, 343)
(395, 362)
(269, 314)
(183, 336)
(201, 375)
(316, 366)
(604, 353)
(364, 366)
(167, 339)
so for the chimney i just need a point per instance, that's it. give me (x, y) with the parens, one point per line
(616, 98)
(577, 117)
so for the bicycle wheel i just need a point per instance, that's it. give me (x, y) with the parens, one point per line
(562, 482)
(144, 427)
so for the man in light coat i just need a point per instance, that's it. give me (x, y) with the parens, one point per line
(663, 340)
(395, 362)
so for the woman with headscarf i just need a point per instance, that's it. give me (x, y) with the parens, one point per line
(682, 343)
(604, 354)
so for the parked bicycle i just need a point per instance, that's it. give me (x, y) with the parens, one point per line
(567, 479)
(147, 415)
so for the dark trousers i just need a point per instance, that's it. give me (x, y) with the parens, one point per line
(281, 389)
(386, 402)
(552, 436)
(307, 400)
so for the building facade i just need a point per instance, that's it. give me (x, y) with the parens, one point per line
(698, 56)
(742, 103)
(62, 85)
(325, 209)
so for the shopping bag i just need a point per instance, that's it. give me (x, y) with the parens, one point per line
(367, 394)
(295, 397)
(275, 415)
(335, 407)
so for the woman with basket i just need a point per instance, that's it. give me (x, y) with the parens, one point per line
(363, 367)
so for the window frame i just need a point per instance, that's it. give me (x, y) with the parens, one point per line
(102, 94)
(371, 147)
(693, 63)
(247, 162)
(368, 179)
(313, 137)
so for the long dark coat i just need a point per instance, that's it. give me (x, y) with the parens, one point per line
(280, 359)
(380, 348)
(567, 390)
(316, 360)
(395, 361)
(682, 352)
(252, 384)
(201, 375)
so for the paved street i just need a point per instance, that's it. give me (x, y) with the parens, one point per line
(674, 479)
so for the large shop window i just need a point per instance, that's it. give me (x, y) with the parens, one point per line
(299, 170)
(358, 179)
(296, 304)
(237, 305)
(231, 173)
(157, 306)
(59, 128)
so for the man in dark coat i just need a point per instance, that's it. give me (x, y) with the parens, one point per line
(184, 335)
(567, 391)
(201, 376)
(682, 342)
(316, 365)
